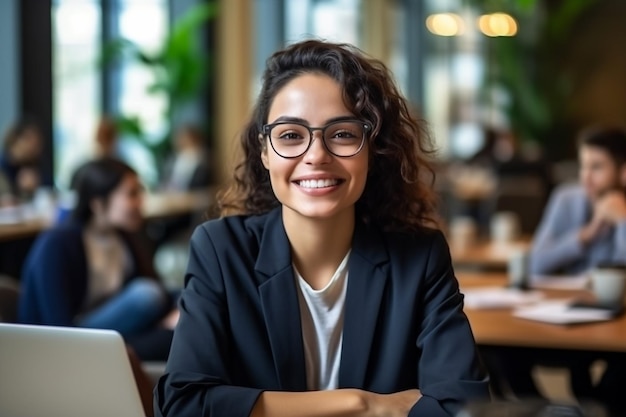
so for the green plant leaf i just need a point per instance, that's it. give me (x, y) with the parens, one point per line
(129, 125)
(566, 15)
(179, 67)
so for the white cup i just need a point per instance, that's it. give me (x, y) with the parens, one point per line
(504, 226)
(517, 268)
(609, 284)
(44, 203)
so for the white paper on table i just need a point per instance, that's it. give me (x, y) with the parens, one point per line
(560, 282)
(560, 312)
(499, 297)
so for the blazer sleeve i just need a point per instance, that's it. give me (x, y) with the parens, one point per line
(556, 242)
(197, 382)
(449, 371)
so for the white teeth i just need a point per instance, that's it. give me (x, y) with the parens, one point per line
(317, 183)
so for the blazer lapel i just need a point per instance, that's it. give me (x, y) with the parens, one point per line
(281, 310)
(366, 285)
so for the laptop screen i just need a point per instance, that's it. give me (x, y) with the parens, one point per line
(50, 371)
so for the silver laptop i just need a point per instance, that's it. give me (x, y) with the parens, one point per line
(66, 372)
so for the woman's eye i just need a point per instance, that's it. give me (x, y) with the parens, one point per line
(291, 135)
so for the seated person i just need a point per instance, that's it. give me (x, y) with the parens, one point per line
(187, 170)
(19, 161)
(106, 139)
(329, 293)
(88, 272)
(584, 225)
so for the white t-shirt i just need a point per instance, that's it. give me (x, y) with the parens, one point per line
(322, 312)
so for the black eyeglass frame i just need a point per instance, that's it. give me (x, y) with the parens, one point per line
(267, 128)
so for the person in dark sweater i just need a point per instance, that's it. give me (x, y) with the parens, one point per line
(88, 271)
(22, 147)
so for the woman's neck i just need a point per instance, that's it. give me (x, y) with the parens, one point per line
(318, 245)
(98, 229)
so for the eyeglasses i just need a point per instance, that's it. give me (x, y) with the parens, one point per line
(343, 138)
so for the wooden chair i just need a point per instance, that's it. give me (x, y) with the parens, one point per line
(9, 296)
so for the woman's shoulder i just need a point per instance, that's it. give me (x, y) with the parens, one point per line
(413, 241)
(412, 251)
(58, 242)
(418, 236)
(63, 232)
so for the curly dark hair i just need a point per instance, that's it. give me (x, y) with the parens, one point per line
(398, 194)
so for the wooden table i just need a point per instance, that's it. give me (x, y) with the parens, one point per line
(156, 205)
(498, 327)
(25, 229)
(487, 254)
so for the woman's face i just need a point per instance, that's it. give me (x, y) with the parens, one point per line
(317, 184)
(123, 209)
(598, 171)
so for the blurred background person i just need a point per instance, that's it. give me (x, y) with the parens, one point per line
(89, 271)
(187, 170)
(5, 188)
(584, 226)
(189, 167)
(497, 149)
(106, 138)
(20, 159)
(503, 175)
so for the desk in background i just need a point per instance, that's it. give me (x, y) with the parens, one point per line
(498, 327)
(165, 204)
(486, 254)
(156, 206)
(16, 237)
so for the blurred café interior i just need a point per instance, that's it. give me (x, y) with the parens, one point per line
(505, 87)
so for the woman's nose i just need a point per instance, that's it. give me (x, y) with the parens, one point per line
(317, 152)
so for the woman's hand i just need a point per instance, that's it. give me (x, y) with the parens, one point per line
(349, 402)
(397, 404)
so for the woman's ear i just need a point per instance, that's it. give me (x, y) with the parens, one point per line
(264, 158)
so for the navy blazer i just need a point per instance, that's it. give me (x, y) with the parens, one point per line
(240, 332)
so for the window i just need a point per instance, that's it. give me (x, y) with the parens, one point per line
(333, 20)
(453, 71)
(78, 38)
(76, 99)
(145, 23)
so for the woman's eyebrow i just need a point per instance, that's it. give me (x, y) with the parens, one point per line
(306, 122)
(291, 119)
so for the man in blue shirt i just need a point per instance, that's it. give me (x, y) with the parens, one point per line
(583, 226)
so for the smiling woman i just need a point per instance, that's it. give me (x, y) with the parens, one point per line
(331, 292)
